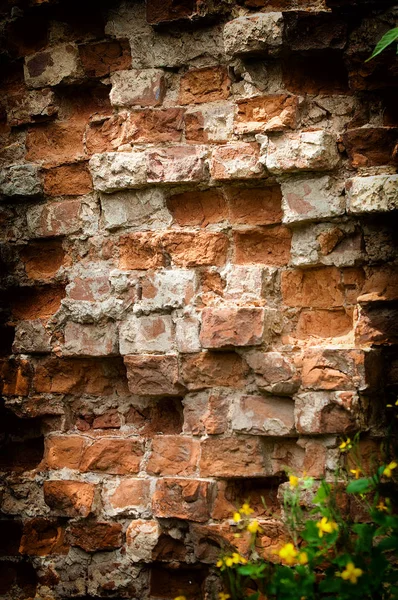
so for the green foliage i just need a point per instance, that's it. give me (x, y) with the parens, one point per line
(388, 38)
(328, 554)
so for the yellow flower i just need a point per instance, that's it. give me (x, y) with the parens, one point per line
(294, 481)
(222, 596)
(180, 598)
(303, 558)
(351, 573)
(387, 471)
(344, 446)
(382, 506)
(236, 517)
(253, 527)
(219, 563)
(246, 509)
(326, 526)
(229, 561)
(288, 554)
(356, 472)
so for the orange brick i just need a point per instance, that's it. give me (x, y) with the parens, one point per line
(269, 246)
(56, 143)
(198, 208)
(102, 58)
(196, 249)
(68, 180)
(70, 498)
(42, 537)
(140, 251)
(64, 451)
(173, 455)
(115, 456)
(255, 206)
(266, 113)
(317, 288)
(131, 492)
(181, 499)
(37, 303)
(235, 456)
(223, 327)
(324, 323)
(209, 369)
(204, 85)
(42, 259)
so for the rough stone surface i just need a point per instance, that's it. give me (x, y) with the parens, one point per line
(59, 64)
(179, 164)
(146, 334)
(153, 375)
(90, 340)
(258, 415)
(306, 199)
(137, 88)
(254, 33)
(225, 327)
(305, 151)
(236, 161)
(372, 194)
(267, 113)
(31, 337)
(20, 180)
(113, 171)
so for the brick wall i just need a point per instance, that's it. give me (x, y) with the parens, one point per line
(199, 275)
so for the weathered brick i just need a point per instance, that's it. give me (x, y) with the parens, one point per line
(377, 325)
(38, 302)
(259, 415)
(153, 375)
(209, 369)
(316, 288)
(137, 88)
(113, 455)
(253, 34)
(372, 194)
(275, 112)
(90, 340)
(169, 10)
(325, 74)
(95, 536)
(146, 334)
(102, 58)
(206, 412)
(304, 151)
(54, 218)
(309, 198)
(141, 250)
(274, 372)
(326, 412)
(141, 539)
(64, 451)
(56, 143)
(182, 499)
(196, 249)
(339, 369)
(89, 289)
(113, 171)
(381, 283)
(243, 284)
(211, 123)
(42, 259)
(198, 208)
(165, 289)
(133, 208)
(269, 246)
(68, 180)
(70, 498)
(254, 206)
(177, 164)
(20, 180)
(204, 85)
(324, 323)
(31, 337)
(55, 65)
(225, 327)
(236, 161)
(338, 244)
(371, 146)
(173, 455)
(31, 106)
(187, 334)
(236, 456)
(16, 377)
(131, 493)
(42, 537)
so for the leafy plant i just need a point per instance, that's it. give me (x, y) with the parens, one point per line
(388, 38)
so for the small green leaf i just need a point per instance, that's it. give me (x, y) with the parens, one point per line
(388, 38)
(359, 486)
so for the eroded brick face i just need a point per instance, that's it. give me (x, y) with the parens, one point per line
(198, 279)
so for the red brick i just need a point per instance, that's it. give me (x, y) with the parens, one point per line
(64, 451)
(233, 457)
(274, 372)
(255, 206)
(71, 376)
(159, 11)
(91, 339)
(68, 180)
(267, 246)
(173, 455)
(177, 164)
(148, 126)
(316, 288)
(141, 250)
(266, 113)
(89, 289)
(381, 284)
(181, 499)
(236, 161)
(153, 375)
(204, 85)
(131, 493)
(305, 456)
(113, 455)
(164, 416)
(55, 218)
(71, 498)
(37, 303)
(326, 412)
(42, 537)
(196, 249)
(224, 327)
(42, 259)
(377, 325)
(324, 323)
(15, 377)
(233, 493)
(262, 415)
(371, 146)
(335, 369)
(56, 143)
(210, 369)
(102, 58)
(206, 412)
(198, 208)
(96, 536)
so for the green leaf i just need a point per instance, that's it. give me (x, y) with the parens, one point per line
(388, 38)
(359, 486)
(390, 543)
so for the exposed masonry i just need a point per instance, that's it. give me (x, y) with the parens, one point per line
(199, 273)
